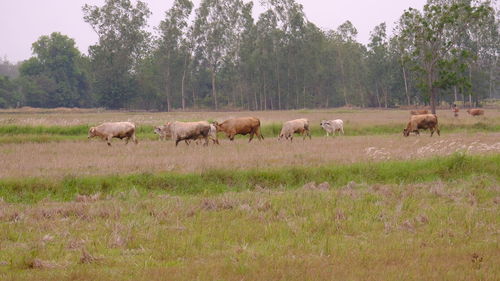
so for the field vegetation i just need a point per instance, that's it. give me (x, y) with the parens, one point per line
(21, 126)
(370, 205)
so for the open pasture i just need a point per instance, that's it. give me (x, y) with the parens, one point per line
(94, 157)
(371, 205)
(357, 117)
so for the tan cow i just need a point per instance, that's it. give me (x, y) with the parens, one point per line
(240, 126)
(423, 121)
(419, 112)
(300, 126)
(184, 131)
(475, 111)
(109, 130)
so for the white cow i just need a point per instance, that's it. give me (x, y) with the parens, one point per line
(332, 126)
(109, 130)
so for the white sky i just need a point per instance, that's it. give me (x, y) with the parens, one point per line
(22, 22)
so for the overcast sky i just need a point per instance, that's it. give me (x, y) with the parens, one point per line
(22, 22)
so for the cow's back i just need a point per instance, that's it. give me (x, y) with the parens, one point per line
(116, 128)
(241, 124)
(423, 121)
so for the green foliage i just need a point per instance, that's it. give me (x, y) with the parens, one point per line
(224, 58)
(123, 41)
(438, 43)
(54, 77)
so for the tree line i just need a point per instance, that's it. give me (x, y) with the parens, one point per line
(218, 56)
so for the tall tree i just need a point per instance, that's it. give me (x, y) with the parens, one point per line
(215, 33)
(431, 35)
(120, 26)
(57, 62)
(172, 45)
(379, 63)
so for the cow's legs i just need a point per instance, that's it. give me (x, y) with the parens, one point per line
(108, 140)
(259, 134)
(134, 139)
(251, 136)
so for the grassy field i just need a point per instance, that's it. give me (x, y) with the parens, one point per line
(371, 205)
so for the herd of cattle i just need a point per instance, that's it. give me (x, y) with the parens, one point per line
(203, 130)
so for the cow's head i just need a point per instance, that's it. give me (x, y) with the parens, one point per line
(281, 136)
(91, 132)
(217, 125)
(157, 130)
(406, 132)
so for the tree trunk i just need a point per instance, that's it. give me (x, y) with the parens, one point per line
(386, 93)
(408, 100)
(214, 92)
(343, 83)
(265, 93)
(183, 97)
(361, 94)
(167, 89)
(455, 94)
(378, 96)
(432, 89)
(433, 100)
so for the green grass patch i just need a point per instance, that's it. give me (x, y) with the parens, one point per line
(220, 181)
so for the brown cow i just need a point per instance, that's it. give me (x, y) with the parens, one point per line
(475, 111)
(240, 126)
(109, 130)
(419, 112)
(417, 122)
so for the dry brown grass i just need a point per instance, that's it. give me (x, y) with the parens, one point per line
(354, 116)
(96, 158)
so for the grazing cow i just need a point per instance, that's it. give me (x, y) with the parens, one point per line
(185, 131)
(419, 112)
(425, 121)
(164, 133)
(109, 130)
(332, 126)
(300, 126)
(240, 126)
(475, 111)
